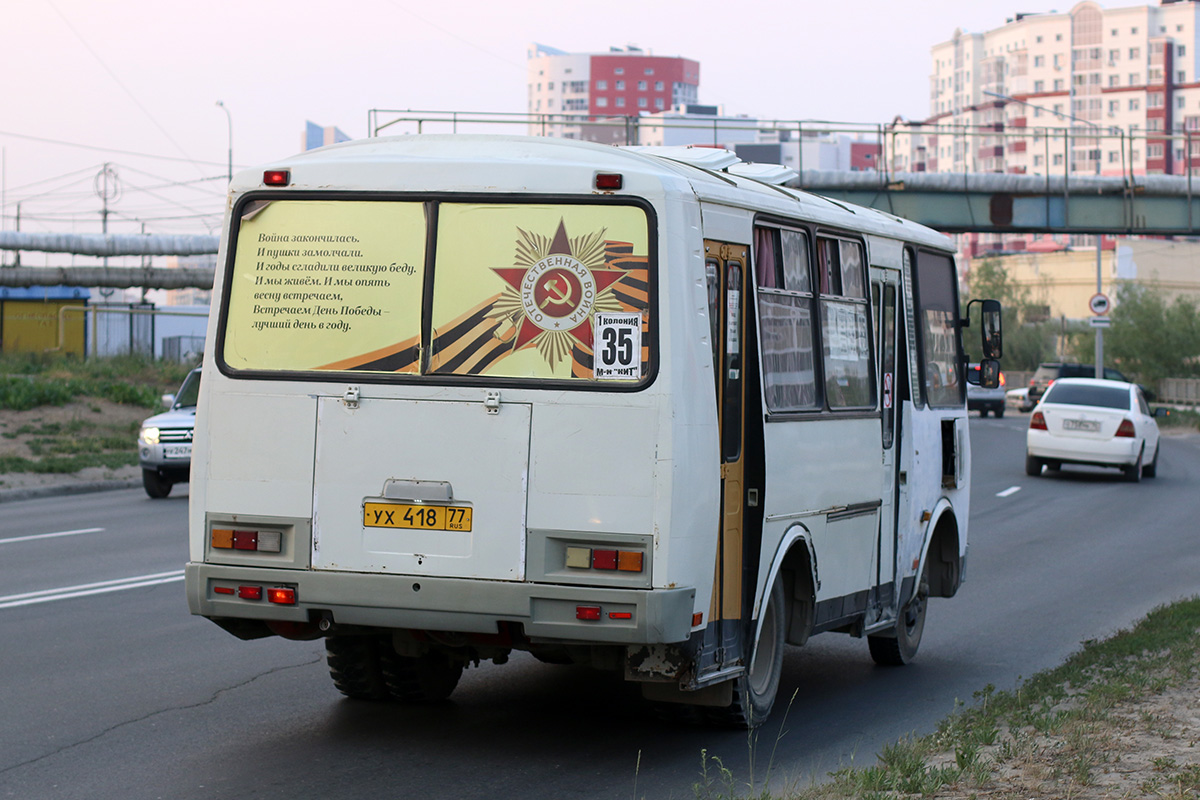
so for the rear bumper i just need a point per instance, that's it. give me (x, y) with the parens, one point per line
(547, 612)
(1111, 453)
(990, 404)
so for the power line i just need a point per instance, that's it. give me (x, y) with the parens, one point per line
(125, 88)
(99, 149)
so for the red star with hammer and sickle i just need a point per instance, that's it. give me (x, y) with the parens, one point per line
(557, 289)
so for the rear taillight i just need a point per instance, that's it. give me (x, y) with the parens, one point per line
(1037, 422)
(1002, 381)
(1125, 429)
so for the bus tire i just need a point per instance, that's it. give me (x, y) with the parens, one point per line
(156, 485)
(899, 647)
(754, 691)
(420, 679)
(355, 666)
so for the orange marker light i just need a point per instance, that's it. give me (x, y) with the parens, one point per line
(629, 561)
(222, 538)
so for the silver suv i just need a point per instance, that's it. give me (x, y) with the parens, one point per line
(165, 441)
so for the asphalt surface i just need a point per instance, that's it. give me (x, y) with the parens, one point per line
(113, 690)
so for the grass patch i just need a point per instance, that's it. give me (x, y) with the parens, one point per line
(29, 380)
(1062, 729)
(1186, 418)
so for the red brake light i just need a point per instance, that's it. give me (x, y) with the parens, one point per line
(587, 612)
(1125, 429)
(282, 595)
(1037, 422)
(277, 177)
(250, 592)
(604, 559)
(245, 540)
(1002, 381)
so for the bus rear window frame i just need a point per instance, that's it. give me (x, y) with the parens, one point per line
(440, 379)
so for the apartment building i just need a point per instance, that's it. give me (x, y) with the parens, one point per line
(1091, 91)
(571, 89)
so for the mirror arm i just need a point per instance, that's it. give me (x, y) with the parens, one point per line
(966, 321)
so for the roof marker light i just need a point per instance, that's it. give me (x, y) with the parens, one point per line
(277, 177)
(609, 181)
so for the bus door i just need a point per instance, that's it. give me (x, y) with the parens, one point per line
(884, 294)
(725, 268)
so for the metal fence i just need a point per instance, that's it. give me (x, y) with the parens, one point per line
(1182, 391)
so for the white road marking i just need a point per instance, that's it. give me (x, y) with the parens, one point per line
(83, 590)
(1008, 491)
(49, 535)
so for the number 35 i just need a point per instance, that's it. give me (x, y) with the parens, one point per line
(618, 346)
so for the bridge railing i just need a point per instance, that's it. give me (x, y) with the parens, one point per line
(1082, 148)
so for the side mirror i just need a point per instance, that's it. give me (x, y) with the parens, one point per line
(168, 400)
(989, 373)
(993, 340)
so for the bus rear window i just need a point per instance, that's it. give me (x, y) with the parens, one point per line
(518, 290)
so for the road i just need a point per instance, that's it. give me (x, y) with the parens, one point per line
(112, 690)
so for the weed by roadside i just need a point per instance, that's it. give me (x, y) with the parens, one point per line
(28, 380)
(62, 414)
(1118, 719)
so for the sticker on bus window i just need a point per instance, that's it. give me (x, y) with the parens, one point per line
(618, 346)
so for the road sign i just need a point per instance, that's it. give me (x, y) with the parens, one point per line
(1101, 322)
(1099, 304)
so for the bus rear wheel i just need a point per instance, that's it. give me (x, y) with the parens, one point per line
(899, 647)
(369, 668)
(754, 692)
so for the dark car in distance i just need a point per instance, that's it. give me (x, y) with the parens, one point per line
(1050, 371)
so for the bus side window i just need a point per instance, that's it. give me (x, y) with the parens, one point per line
(712, 276)
(845, 325)
(938, 324)
(786, 322)
(732, 417)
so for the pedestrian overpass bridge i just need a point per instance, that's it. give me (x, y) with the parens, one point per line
(1128, 205)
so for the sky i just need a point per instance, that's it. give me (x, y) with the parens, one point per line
(135, 83)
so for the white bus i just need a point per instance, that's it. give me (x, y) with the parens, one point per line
(642, 409)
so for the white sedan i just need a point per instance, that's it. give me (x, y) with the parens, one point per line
(1096, 422)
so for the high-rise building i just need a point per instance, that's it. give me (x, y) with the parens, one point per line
(316, 136)
(1091, 91)
(1128, 76)
(571, 89)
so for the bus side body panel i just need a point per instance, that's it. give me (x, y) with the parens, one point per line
(813, 467)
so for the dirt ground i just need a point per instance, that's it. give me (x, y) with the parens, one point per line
(1148, 748)
(19, 428)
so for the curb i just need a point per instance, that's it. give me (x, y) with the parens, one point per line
(83, 487)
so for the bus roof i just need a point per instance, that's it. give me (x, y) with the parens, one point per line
(484, 163)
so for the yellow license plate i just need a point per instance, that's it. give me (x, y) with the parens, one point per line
(416, 517)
